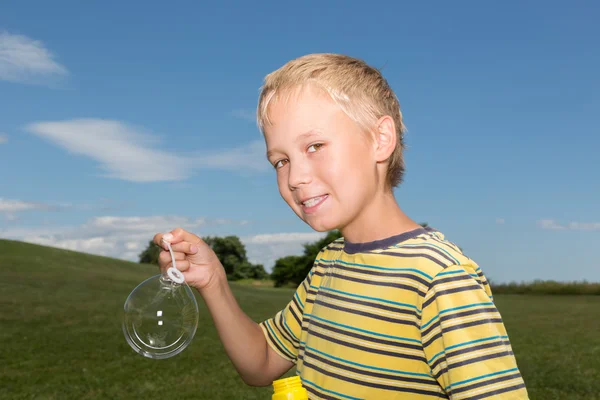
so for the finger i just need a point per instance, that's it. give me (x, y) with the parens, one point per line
(158, 239)
(161, 239)
(185, 247)
(164, 257)
(181, 235)
(183, 265)
(193, 278)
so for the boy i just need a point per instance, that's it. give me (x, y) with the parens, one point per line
(389, 311)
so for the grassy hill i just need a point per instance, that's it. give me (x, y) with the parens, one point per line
(60, 335)
(60, 319)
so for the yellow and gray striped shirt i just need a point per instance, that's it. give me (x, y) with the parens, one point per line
(407, 317)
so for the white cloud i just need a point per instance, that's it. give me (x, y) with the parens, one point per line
(267, 248)
(3, 138)
(584, 226)
(118, 237)
(277, 238)
(126, 237)
(11, 217)
(9, 209)
(25, 60)
(13, 206)
(550, 224)
(243, 158)
(500, 221)
(130, 153)
(124, 225)
(123, 151)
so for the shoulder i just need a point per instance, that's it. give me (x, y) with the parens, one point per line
(432, 253)
(327, 254)
(458, 266)
(331, 249)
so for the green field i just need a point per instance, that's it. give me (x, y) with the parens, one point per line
(60, 335)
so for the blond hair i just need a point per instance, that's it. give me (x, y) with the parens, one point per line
(359, 90)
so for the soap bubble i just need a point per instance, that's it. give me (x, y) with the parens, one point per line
(161, 316)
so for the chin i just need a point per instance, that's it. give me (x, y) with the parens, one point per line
(322, 226)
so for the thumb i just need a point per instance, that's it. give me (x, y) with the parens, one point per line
(180, 235)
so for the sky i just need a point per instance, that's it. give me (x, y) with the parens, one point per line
(119, 120)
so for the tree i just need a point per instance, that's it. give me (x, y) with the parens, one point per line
(150, 254)
(247, 270)
(286, 269)
(293, 269)
(232, 254)
(229, 250)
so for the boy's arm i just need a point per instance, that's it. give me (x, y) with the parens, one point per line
(465, 341)
(243, 339)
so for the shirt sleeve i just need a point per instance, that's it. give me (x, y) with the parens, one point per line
(283, 330)
(464, 338)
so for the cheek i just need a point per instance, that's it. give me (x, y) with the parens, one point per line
(354, 168)
(329, 166)
(341, 166)
(282, 185)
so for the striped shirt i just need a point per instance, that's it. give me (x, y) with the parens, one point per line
(407, 317)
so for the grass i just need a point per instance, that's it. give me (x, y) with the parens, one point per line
(547, 287)
(60, 330)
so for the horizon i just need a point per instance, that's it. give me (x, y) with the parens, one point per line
(109, 136)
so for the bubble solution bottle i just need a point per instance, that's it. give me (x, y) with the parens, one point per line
(289, 389)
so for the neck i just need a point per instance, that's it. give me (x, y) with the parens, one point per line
(380, 219)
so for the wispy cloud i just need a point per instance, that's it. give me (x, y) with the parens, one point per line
(126, 237)
(13, 206)
(26, 60)
(10, 208)
(267, 248)
(500, 221)
(550, 224)
(3, 138)
(123, 151)
(248, 157)
(285, 237)
(11, 217)
(248, 115)
(118, 237)
(131, 153)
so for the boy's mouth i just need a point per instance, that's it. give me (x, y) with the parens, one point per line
(310, 205)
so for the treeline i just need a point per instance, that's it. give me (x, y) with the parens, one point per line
(546, 287)
(288, 271)
(291, 270)
(230, 251)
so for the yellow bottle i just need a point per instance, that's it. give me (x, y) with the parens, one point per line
(289, 389)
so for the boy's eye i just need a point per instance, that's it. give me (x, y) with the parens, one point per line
(315, 146)
(279, 164)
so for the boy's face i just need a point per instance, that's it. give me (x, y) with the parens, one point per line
(326, 170)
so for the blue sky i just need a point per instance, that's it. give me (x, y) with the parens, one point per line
(122, 119)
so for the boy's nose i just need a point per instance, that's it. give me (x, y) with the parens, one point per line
(299, 175)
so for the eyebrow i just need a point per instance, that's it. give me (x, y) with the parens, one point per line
(310, 133)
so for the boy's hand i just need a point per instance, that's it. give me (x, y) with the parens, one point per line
(198, 262)
(243, 338)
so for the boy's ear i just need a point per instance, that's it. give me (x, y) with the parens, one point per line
(385, 138)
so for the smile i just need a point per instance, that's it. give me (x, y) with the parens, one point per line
(311, 205)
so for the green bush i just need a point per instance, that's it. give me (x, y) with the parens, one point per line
(543, 287)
